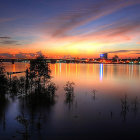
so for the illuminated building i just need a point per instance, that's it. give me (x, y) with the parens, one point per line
(104, 56)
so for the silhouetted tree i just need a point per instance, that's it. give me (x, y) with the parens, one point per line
(14, 86)
(22, 85)
(3, 80)
(39, 72)
(27, 81)
(69, 92)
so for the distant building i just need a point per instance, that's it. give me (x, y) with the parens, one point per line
(138, 58)
(115, 59)
(104, 56)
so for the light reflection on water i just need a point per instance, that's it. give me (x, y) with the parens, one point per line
(101, 72)
(104, 77)
(100, 113)
(108, 78)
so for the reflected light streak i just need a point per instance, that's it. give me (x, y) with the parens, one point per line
(132, 70)
(55, 69)
(13, 68)
(101, 72)
(66, 69)
(60, 68)
(76, 69)
(69, 68)
(88, 69)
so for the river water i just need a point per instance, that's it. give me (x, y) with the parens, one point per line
(89, 115)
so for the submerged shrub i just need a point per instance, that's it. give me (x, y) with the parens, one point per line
(69, 91)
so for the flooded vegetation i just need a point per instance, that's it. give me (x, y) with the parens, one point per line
(69, 89)
(51, 101)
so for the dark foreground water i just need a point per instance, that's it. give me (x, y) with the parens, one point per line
(106, 105)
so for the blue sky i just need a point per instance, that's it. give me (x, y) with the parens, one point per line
(70, 27)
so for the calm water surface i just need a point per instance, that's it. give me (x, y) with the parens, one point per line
(88, 115)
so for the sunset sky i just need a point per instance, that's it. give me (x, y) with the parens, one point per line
(77, 28)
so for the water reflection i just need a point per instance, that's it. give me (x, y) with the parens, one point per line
(3, 106)
(39, 110)
(13, 68)
(94, 93)
(101, 72)
(135, 104)
(25, 122)
(125, 107)
(98, 71)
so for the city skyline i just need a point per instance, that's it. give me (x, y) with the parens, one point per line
(77, 28)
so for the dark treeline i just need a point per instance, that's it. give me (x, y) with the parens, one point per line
(35, 86)
(36, 81)
(3, 80)
(3, 98)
